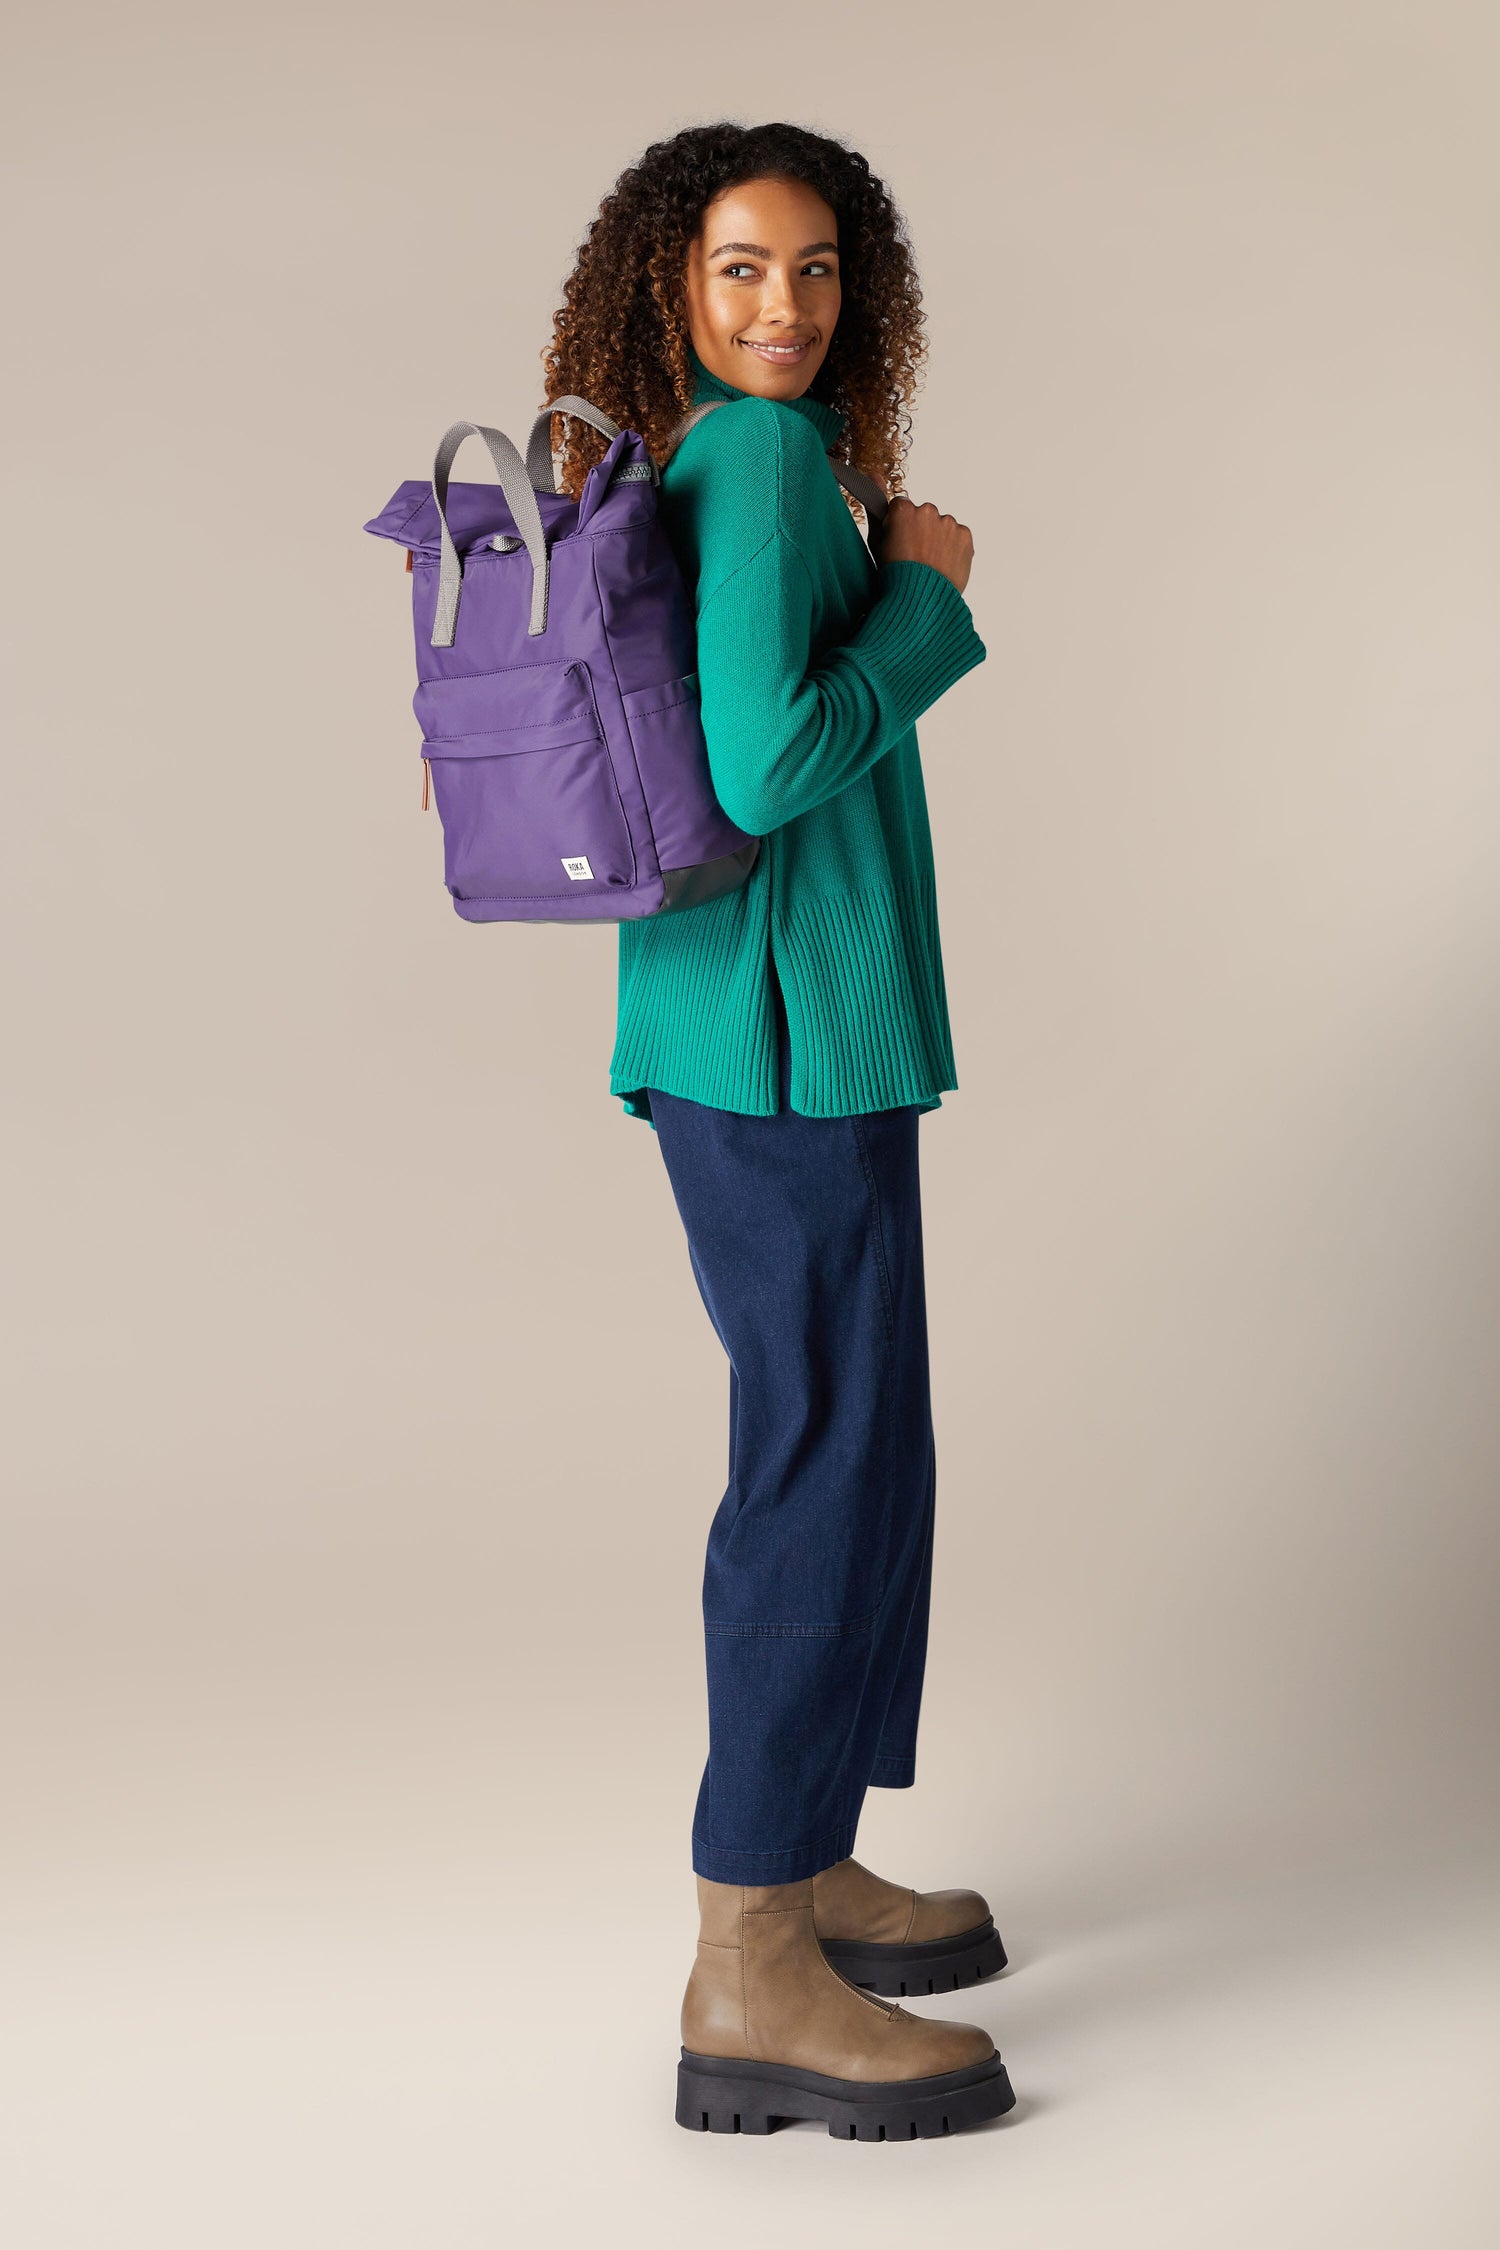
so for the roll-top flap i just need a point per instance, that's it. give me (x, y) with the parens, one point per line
(476, 512)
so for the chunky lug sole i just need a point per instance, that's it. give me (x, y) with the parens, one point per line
(718, 2096)
(899, 1971)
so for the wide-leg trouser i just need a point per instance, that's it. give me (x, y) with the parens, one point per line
(805, 1238)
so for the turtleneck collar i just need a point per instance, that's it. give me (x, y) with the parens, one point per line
(826, 420)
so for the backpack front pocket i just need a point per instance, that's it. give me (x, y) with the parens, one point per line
(524, 784)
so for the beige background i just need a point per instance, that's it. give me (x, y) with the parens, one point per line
(366, 1423)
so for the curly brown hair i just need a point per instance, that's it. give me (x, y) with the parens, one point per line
(620, 337)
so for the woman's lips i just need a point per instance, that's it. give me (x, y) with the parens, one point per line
(778, 355)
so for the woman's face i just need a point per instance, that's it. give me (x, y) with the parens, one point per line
(763, 286)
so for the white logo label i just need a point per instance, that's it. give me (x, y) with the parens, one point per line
(579, 869)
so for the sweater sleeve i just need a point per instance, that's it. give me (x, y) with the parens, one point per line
(784, 732)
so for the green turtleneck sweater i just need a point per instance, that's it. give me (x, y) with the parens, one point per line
(813, 665)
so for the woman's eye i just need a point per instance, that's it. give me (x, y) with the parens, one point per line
(728, 273)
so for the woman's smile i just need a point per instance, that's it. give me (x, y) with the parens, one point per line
(782, 355)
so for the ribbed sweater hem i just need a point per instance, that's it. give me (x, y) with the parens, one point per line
(861, 974)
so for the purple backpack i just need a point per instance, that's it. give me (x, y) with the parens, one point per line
(558, 705)
(556, 693)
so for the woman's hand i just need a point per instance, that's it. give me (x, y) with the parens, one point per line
(913, 533)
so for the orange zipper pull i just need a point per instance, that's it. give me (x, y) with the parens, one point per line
(408, 558)
(426, 777)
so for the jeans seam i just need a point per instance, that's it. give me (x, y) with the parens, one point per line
(887, 1304)
(889, 1311)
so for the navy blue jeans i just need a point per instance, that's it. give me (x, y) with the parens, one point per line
(805, 1238)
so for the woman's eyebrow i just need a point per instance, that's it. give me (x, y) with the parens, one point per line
(759, 250)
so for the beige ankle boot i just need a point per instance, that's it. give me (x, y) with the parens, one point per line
(770, 2032)
(887, 1938)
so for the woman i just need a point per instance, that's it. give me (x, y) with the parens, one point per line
(783, 1042)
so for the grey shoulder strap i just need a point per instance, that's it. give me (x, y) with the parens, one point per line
(688, 422)
(854, 481)
(861, 488)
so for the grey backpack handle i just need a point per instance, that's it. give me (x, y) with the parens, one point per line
(539, 464)
(854, 481)
(521, 501)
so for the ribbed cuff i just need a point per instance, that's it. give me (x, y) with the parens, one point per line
(918, 638)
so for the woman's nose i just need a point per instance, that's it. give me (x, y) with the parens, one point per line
(779, 299)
